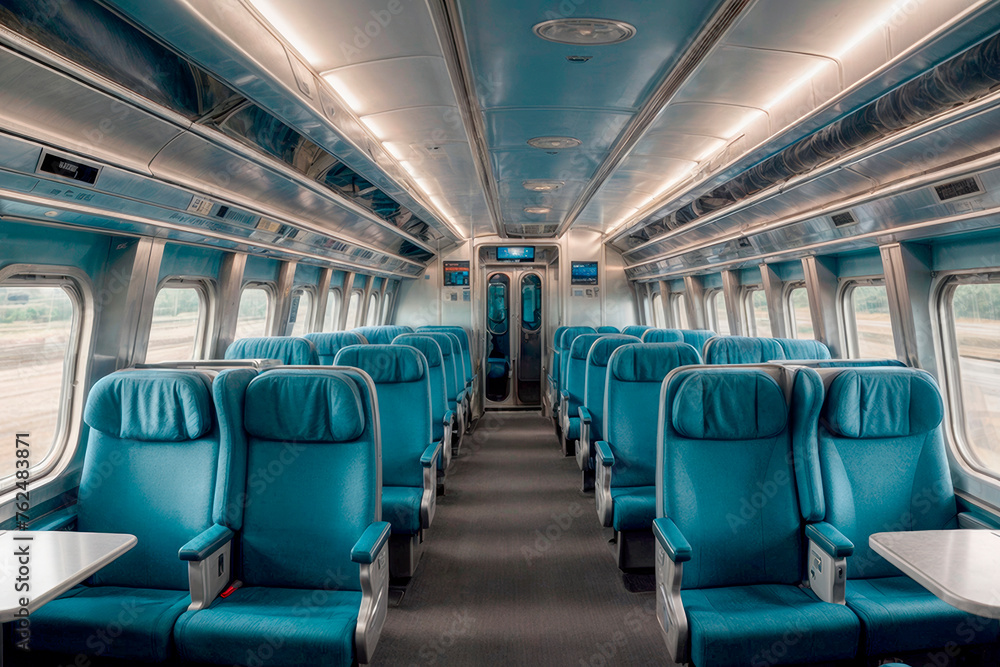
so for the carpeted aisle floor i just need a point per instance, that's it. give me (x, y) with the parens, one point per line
(516, 568)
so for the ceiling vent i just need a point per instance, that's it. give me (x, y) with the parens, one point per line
(960, 189)
(844, 219)
(532, 230)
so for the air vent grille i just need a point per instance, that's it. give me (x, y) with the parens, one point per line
(844, 219)
(965, 187)
(540, 229)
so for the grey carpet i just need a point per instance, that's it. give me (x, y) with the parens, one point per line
(490, 590)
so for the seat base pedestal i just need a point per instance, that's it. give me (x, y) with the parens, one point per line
(634, 549)
(587, 481)
(404, 554)
(568, 447)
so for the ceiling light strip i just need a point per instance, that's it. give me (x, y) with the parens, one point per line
(712, 34)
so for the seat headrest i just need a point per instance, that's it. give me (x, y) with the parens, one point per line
(651, 362)
(662, 336)
(571, 334)
(430, 348)
(742, 350)
(151, 405)
(458, 332)
(445, 341)
(582, 344)
(386, 364)
(329, 343)
(803, 349)
(607, 330)
(304, 406)
(382, 335)
(601, 351)
(289, 350)
(882, 403)
(728, 404)
(698, 337)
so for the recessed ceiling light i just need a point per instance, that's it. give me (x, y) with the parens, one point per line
(52, 214)
(540, 185)
(585, 31)
(538, 210)
(548, 143)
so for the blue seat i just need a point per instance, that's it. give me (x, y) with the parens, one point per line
(454, 376)
(850, 363)
(409, 454)
(697, 338)
(592, 410)
(663, 336)
(329, 344)
(471, 376)
(571, 395)
(442, 415)
(729, 545)
(636, 330)
(289, 350)
(794, 348)
(876, 462)
(607, 330)
(625, 460)
(145, 427)
(563, 344)
(722, 350)
(382, 334)
(311, 547)
(553, 377)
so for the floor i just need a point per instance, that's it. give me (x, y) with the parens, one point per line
(516, 568)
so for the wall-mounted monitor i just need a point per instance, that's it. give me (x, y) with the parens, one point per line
(584, 273)
(456, 274)
(516, 253)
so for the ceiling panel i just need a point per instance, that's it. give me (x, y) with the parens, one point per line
(411, 81)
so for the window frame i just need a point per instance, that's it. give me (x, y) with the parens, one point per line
(340, 307)
(348, 325)
(678, 311)
(950, 368)
(373, 302)
(76, 369)
(206, 310)
(656, 307)
(387, 304)
(271, 291)
(712, 310)
(786, 297)
(311, 291)
(749, 312)
(845, 311)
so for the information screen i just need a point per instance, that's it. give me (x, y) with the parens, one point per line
(456, 274)
(584, 273)
(516, 254)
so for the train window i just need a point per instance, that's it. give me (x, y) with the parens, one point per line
(180, 322)
(718, 312)
(973, 313)
(866, 325)
(758, 316)
(354, 309)
(371, 319)
(799, 316)
(678, 304)
(387, 307)
(303, 311)
(659, 317)
(331, 321)
(40, 325)
(255, 306)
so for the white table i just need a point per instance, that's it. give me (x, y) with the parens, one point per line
(962, 567)
(56, 562)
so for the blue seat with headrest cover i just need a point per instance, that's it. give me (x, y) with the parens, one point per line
(636, 330)
(466, 355)
(289, 350)
(454, 374)
(625, 460)
(663, 336)
(409, 454)
(329, 344)
(572, 393)
(795, 348)
(730, 550)
(561, 356)
(697, 337)
(442, 416)
(592, 410)
(607, 330)
(876, 462)
(310, 554)
(723, 350)
(382, 334)
(554, 373)
(145, 427)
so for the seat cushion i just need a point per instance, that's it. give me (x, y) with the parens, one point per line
(110, 621)
(573, 432)
(272, 626)
(897, 614)
(768, 624)
(634, 507)
(401, 508)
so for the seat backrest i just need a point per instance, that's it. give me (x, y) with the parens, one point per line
(795, 348)
(451, 360)
(299, 526)
(636, 330)
(607, 330)
(565, 343)
(724, 350)
(847, 363)
(404, 405)
(725, 475)
(463, 338)
(597, 375)
(145, 426)
(663, 336)
(436, 371)
(556, 354)
(697, 337)
(576, 371)
(289, 350)
(876, 461)
(383, 334)
(329, 344)
(635, 373)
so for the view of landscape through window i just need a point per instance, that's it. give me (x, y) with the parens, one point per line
(176, 320)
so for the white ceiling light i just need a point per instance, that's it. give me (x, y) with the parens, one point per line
(554, 143)
(537, 210)
(588, 32)
(541, 185)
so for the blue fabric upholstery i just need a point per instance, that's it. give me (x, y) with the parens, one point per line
(607, 330)
(289, 350)
(451, 359)
(596, 381)
(332, 402)
(635, 507)
(382, 335)
(576, 381)
(556, 352)
(652, 363)
(859, 363)
(718, 407)
(146, 406)
(565, 343)
(386, 364)
(697, 338)
(463, 338)
(662, 336)
(883, 404)
(795, 348)
(635, 330)
(401, 508)
(431, 350)
(329, 344)
(742, 350)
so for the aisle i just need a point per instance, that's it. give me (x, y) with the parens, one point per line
(516, 569)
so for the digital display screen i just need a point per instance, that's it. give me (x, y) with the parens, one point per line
(516, 254)
(584, 273)
(456, 274)
(77, 171)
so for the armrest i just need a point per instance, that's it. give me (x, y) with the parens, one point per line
(672, 540)
(370, 543)
(977, 521)
(564, 394)
(604, 456)
(829, 539)
(585, 415)
(429, 457)
(449, 417)
(202, 546)
(61, 519)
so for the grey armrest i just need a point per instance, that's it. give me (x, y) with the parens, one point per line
(672, 551)
(428, 500)
(605, 460)
(827, 554)
(372, 555)
(583, 446)
(209, 557)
